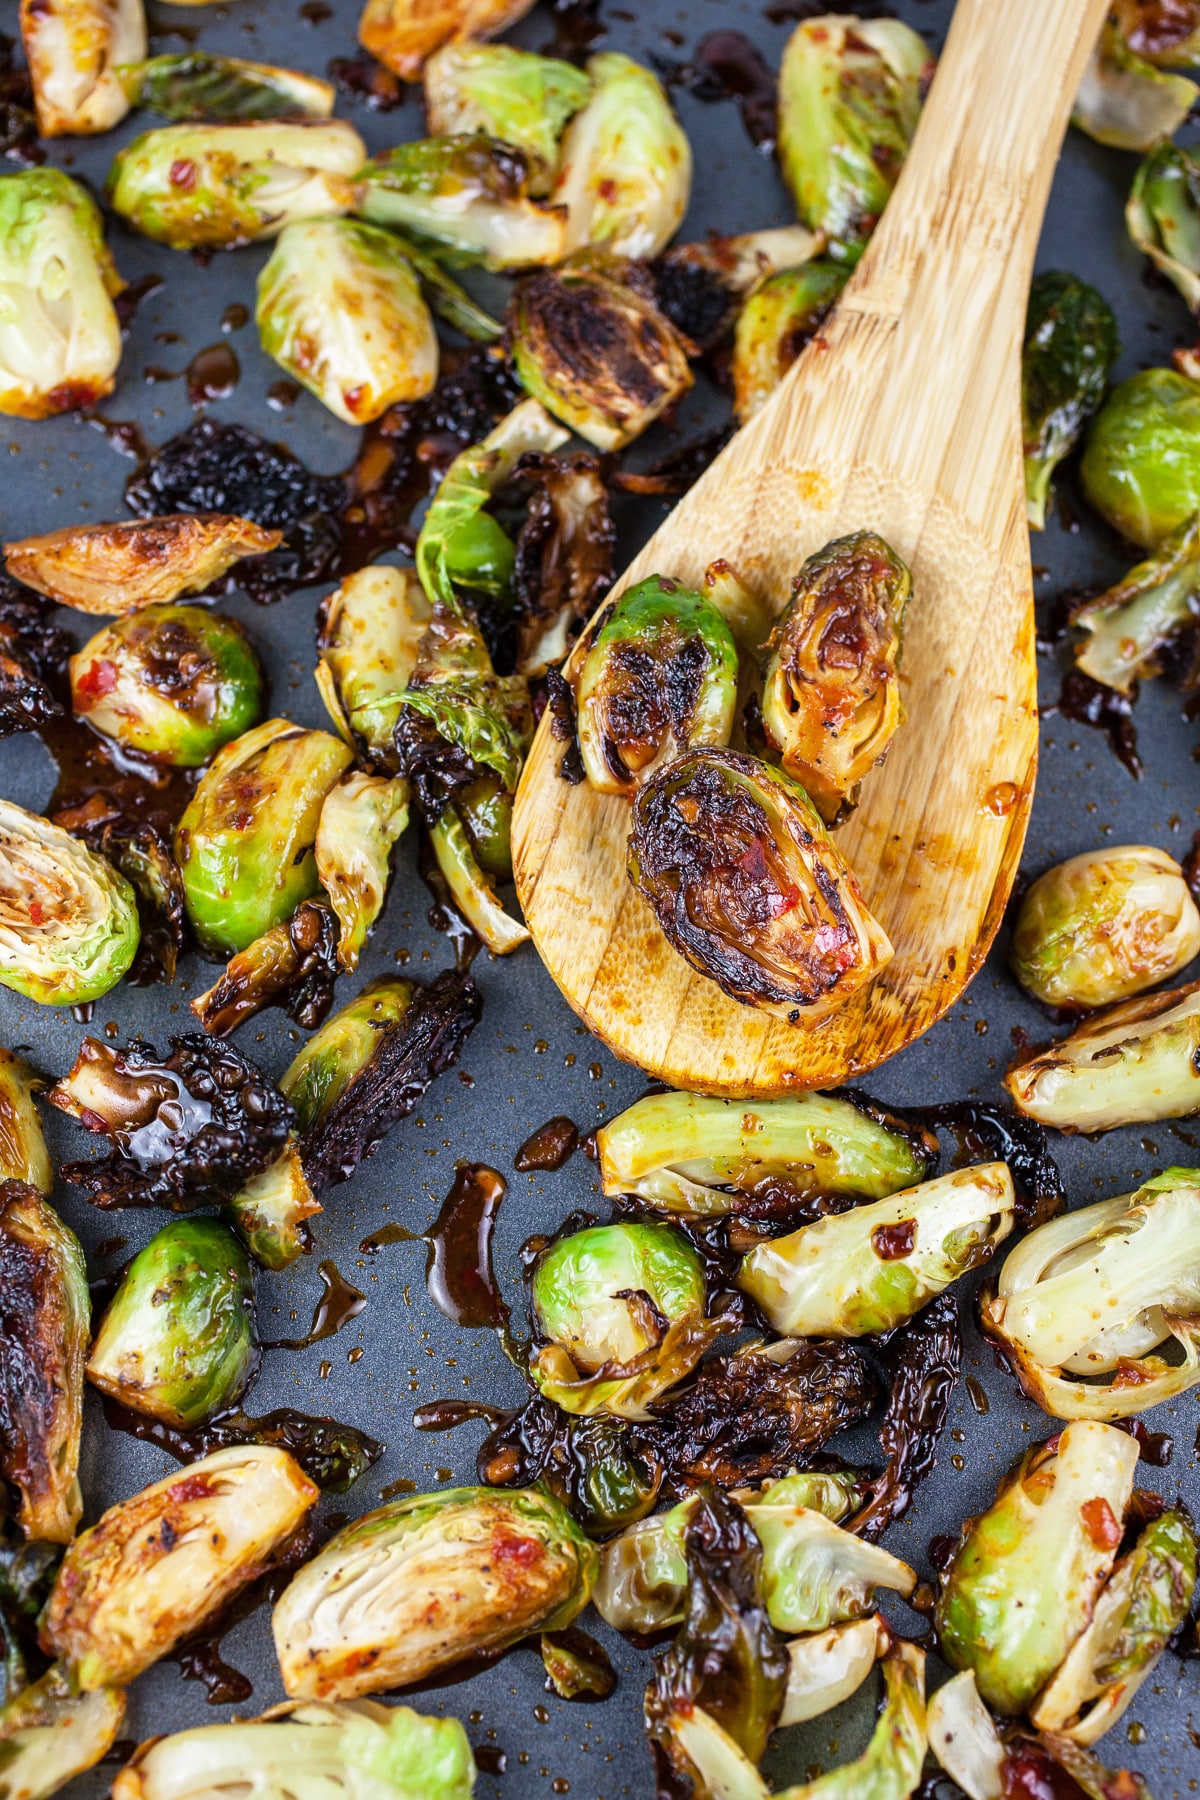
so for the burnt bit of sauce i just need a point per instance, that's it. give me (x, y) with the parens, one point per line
(725, 65)
(1088, 702)
(577, 30)
(340, 1302)
(331, 1454)
(677, 471)
(212, 374)
(921, 1362)
(1154, 1447)
(363, 79)
(549, 1147)
(459, 1273)
(130, 298)
(892, 1243)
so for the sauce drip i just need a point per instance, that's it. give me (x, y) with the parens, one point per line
(1191, 868)
(199, 1658)
(389, 1234)
(130, 298)
(549, 1147)
(126, 437)
(332, 1455)
(339, 1303)
(490, 1758)
(362, 78)
(577, 30)
(282, 393)
(727, 66)
(976, 1394)
(235, 316)
(444, 1415)
(101, 784)
(1156, 1447)
(459, 1271)
(212, 374)
(1088, 702)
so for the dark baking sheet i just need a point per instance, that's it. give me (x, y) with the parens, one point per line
(529, 1059)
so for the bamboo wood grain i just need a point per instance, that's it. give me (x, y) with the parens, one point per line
(903, 415)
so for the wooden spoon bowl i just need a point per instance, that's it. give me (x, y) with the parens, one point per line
(902, 416)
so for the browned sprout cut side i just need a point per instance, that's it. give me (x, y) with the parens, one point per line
(404, 33)
(1134, 1063)
(23, 1153)
(50, 1732)
(74, 49)
(111, 569)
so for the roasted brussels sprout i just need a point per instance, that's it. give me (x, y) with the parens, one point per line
(75, 49)
(1163, 215)
(197, 87)
(467, 196)
(684, 1153)
(828, 1666)
(963, 1738)
(293, 965)
(157, 1566)
(734, 860)
(425, 1581)
(68, 921)
(50, 1732)
(625, 164)
(1141, 466)
(868, 1270)
(701, 287)
(623, 1309)
(340, 308)
(660, 676)
(370, 630)
(310, 1749)
(505, 93)
(178, 1339)
(361, 820)
(1166, 34)
(136, 562)
(773, 327)
(1131, 623)
(270, 1211)
(60, 342)
(597, 353)
(1027, 1572)
(850, 96)
(172, 682)
(23, 1153)
(404, 33)
(331, 1059)
(1094, 1294)
(1070, 348)
(564, 554)
(1124, 101)
(44, 1313)
(469, 885)
(245, 841)
(213, 186)
(831, 693)
(1138, 1062)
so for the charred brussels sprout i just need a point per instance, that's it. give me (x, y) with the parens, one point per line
(688, 1154)
(1085, 1301)
(245, 841)
(360, 1748)
(324, 1067)
(293, 965)
(660, 676)
(23, 1153)
(625, 164)
(467, 197)
(68, 922)
(340, 308)
(44, 1316)
(564, 554)
(1124, 100)
(870, 1269)
(157, 1566)
(1025, 1578)
(505, 93)
(197, 87)
(1070, 348)
(734, 860)
(173, 682)
(117, 568)
(597, 353)
(214, 186)
(1136, 1063)
(1129, 626)
(360, 822)
(1141, 467)
(50, 1732)
(404, 33)
(701, 287)
(60, 342)
(1163, 215)
(370, 629)
(178, 1338)
(1104, 926)
(75, 49)
(831, 693)
(420, 1584)
(623, 1309)
(850, 96)
(1167, 35)
(775, 324)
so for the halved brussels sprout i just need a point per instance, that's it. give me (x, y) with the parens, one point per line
(625, 164)
(158, 1565)
(1129, 625)
(850, 97)
(1027, 1572)
(293, 965)
(326, 1065)
(50, 1732)
(684, 1153)
(597, 353)
(964, 1740)
(828, 1666)
(369, 631)
(135, 562)
(504, 93)
(269, 1213)
(1070, 348)
(340, 308)
(831, 692)
(1141, 466)
(701, 287)
(1163, 215)
(660, 676)
(299, 1752)
(214, 186)
(245, 841)
(468, 196)
(1096, 1292)
(1138, 1062)
(747, 885)
(178, 1339)
(564, 554)
(172, 682)
(1124, 101)
(23, 1153)
(868, 1270)
(60, 342)
(426, 1581)
(74, 49)
(68, 922)
(198, 87)
(362, 818)
(404, 33)
(44, 1314)
(1104, 926)
(774, 325)
(470, 888)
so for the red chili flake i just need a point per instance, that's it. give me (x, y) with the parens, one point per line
(98, 678)
(1100, 1524)
(183, 174)
(523, 1551)
(37, 915)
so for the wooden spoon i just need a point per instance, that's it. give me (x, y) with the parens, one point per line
(903, 416)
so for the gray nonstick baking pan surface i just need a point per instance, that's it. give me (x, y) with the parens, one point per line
(530, 1059)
